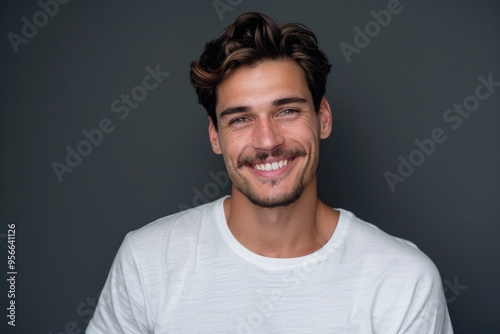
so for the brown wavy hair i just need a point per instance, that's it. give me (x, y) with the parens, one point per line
(252, 38)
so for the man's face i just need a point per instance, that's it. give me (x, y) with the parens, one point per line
(268, 131)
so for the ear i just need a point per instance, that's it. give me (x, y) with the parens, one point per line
(213, 135)
(325, 119)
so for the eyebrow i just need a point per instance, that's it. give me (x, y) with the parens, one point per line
(275, 103)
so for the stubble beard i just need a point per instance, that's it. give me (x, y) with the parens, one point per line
(279, 200)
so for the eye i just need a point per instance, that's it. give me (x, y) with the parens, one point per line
(238, 120)
(287, 112)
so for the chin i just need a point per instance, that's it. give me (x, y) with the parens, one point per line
(274, 200)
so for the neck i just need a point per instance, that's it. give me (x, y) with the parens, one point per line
(296, 230)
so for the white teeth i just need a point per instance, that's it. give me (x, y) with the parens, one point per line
(271, 166)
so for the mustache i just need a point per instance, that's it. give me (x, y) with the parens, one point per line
(261, 157)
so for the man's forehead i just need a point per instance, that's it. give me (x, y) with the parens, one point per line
(271, 83)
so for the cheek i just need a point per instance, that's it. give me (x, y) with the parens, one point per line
(231, 149)
(305, 136)
(304, 127)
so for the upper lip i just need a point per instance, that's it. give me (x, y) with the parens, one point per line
(271, 157)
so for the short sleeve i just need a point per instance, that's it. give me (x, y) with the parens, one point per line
(122, 306)
(428, 313)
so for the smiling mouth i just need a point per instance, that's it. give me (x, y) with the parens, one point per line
(271, 165)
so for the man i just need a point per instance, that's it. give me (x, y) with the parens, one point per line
(270, 258)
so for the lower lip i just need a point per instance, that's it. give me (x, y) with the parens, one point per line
(272, 173)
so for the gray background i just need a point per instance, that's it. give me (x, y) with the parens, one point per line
(395, 90)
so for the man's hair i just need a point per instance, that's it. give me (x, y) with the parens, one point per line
(252, 38)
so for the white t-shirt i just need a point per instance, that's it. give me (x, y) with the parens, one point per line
(186, 273)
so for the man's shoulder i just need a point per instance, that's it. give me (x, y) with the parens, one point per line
(393, 276)
(374, 246)
(177, 228)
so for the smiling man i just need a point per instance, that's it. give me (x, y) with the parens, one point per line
(268, 132)
(272, 257)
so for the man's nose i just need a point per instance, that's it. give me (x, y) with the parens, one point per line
(267, 135)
